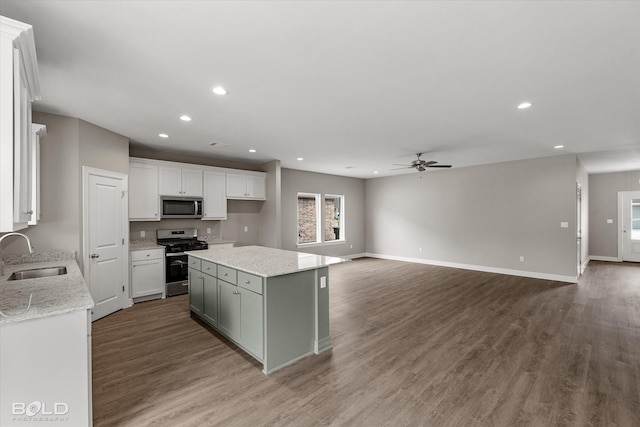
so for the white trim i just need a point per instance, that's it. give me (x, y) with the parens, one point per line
(585, 264)
(23, 40)
(486, 269)
(354, 256)
(604, 258)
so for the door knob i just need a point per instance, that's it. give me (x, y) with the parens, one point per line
(95, 256)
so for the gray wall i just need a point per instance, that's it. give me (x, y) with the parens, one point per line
(270, 223)
(486, 215)
(353, 189)
(69, 144)
(603, 205)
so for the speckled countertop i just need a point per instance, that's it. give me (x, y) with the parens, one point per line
(141, 245)
(49, 295)
(265, 262)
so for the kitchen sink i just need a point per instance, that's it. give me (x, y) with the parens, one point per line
(38, 272)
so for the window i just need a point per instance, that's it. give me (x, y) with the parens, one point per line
(320, 222)
(333, 218)
(308, 222)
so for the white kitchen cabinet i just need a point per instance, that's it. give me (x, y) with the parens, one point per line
(247, 185)
(19, 85)
(37, 132)
(147, 274)
(144, 203)
(180, 181)
(45, 369)
(215, 201)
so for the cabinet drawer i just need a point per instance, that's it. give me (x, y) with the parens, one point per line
(227, 274)
(147, 254)
(195, 263)
(209, 268)
(250, 282)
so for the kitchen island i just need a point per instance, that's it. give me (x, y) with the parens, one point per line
(272, 303)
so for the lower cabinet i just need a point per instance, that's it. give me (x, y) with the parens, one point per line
(147, 274)
(210, 299)
(232, 309)
(196, 285)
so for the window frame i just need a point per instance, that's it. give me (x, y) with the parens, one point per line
(320, 219)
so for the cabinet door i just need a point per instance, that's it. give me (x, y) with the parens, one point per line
(147, 277)
(170, 181)
(236, 186)
(251, 334)
(210, 300)
(229, 313)
(192, 182)
(256, 187)
(22, 149)
(144, 203)
(196, 284)
(215, 201)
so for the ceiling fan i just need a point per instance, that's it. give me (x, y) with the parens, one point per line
(421, 165)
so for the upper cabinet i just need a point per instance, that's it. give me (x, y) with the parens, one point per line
(19, 86)
(180, 181)
(247, 185)
(215, 200)
(144, 203)
(37, 132)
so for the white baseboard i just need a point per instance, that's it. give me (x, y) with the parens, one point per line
(584, 265)
(604, 258)
(354, 256)
(485, 269)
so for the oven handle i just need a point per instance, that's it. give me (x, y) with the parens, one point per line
(175, 254)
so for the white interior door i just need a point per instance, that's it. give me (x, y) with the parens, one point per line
(105, 260)
(630, 223)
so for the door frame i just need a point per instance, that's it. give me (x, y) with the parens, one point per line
(88, 171)
(621, 195)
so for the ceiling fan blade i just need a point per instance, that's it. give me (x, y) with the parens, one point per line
(429, 163)
(439, 166)
(406, 167)
(398, 164)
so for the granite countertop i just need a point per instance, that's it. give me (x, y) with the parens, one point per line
(265, 262)
(49, 295)
(141, 245)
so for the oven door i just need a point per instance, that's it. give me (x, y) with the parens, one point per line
(177, 271)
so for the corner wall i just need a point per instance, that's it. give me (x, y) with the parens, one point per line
(353, 189)
(483, 217)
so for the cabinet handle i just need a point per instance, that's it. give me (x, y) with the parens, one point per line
(148, 255)
(248, 282)
(236, 293)
(29, 212)
(225, 274)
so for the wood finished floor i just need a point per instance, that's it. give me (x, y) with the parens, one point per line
(414, 345)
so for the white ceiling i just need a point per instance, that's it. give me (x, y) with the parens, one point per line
(357, 85)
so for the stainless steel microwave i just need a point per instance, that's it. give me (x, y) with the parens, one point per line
(181, 207)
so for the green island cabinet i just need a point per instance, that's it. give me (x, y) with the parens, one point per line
(273, 304)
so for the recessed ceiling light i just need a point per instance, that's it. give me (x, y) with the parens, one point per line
(163, 135)
(300, 159)
(185, 118)
(376, 172)
(252, 151)
(524, 105)
(557, 147)
(219, 90)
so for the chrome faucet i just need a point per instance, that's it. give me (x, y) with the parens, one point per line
(1, 256)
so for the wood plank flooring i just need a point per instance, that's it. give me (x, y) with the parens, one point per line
(414, 345)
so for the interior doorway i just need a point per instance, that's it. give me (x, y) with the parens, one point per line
(629, 226)
(579, 226)
(105, 239)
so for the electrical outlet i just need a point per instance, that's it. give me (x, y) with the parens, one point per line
(420, 250)
(208, 230)
(609, 221)
(142, 233)
(351, 246)
(521, 258)
(246, 228)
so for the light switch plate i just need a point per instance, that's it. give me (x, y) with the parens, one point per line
(142, 233)
(609, 221)
(564, 224)
(323, 282)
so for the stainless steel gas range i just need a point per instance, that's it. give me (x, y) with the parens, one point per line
(176, 242)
